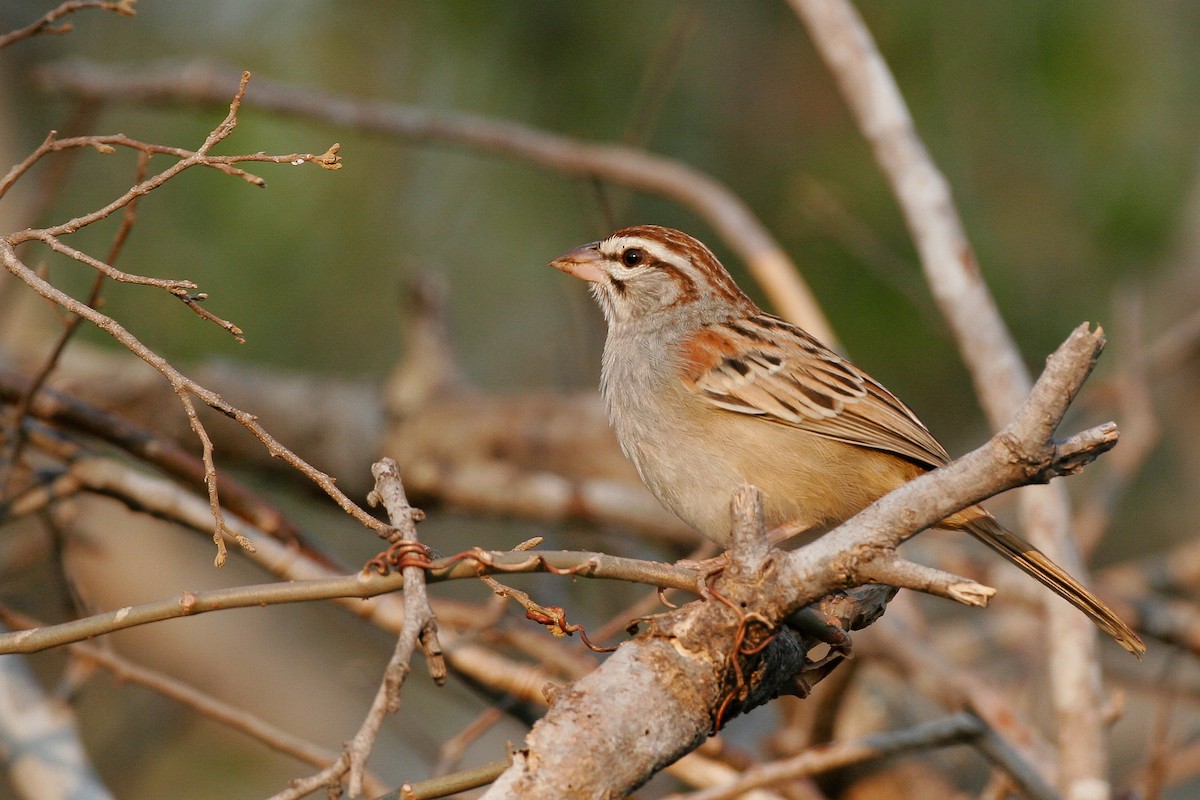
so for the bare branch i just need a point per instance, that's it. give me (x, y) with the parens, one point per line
(64, 410)
(909, 575)
(468, 565)
(184, 388)
(711, 200)
(183, 385)
(45, 25)
(420, 624)
(128, 218)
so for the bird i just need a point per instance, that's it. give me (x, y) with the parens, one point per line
(706, 392)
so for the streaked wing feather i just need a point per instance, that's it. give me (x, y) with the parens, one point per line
(790, 378)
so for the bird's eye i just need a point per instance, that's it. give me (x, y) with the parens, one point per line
(632, 257)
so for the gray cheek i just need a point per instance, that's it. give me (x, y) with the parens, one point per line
(659, 293)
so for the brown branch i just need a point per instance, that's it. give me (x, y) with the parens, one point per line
(362, 585)
(184, 388)
(175, 287)
(449, 785)
(106, 145)
(711, 200)
(45, 25)
(420, 624)
(128, 219)
(188, 159)
(64, 410)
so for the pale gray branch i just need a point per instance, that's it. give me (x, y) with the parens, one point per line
(987, 348)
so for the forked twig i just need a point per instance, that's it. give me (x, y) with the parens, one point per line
(621, 165)
(45, 25)
(128, 218)
(185, 389)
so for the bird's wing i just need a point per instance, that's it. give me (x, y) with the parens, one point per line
(766, 367)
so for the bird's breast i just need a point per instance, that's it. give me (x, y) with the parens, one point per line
(692, 455)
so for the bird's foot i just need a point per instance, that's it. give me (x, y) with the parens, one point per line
(813, 623)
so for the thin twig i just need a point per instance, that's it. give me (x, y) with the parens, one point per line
(184, 388)
(449, 785)
(468, 565)
(128, 218)
(45, 25)
(711, 200)
(66, 411)
(420, 624)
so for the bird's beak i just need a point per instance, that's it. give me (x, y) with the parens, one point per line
(582, 262)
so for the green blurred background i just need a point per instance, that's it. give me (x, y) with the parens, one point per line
(1068, 131)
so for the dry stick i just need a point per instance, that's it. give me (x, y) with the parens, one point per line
(419, 628)
(183, 387)
(175, 287)
(581, 564)
(327, 160)
(107, 143)
(986, 345)
(44, 25)
(162, 498)
(187, 159)
(447, 785)
(128, 218)
(627, 166)
(420, 624)
(50, 144)
(962, 728)
(64, 410)
(181, 384)
(649, 603)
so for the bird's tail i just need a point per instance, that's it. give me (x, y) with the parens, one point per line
(1036, 564)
